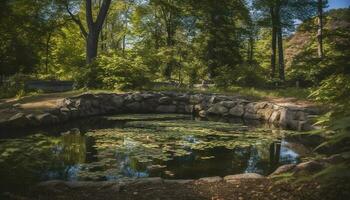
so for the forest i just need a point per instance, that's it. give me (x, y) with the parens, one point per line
(129, 99)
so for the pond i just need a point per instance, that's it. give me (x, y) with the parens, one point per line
(116, 147)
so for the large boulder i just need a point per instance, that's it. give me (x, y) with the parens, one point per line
(237, 111)
(18, 120)
(218, 109)
(47, 118)
(283, 169)
(309, 167)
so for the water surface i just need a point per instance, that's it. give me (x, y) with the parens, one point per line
(168, 146)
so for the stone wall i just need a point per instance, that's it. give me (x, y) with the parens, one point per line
(203, 105)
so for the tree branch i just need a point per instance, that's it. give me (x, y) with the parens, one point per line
(102, 13)
(89, 18)
(77, 21)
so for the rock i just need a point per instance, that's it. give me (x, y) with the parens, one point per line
(300, 115)
(178, 181)
(275, 116)
(202, 113)
(260, 105)
(64, 109)
(250, 108)
(117, 101)
(287, 118)
(237, 111)
(155, 180)
(148, 95)
(243, 176)
(18, 120)
(213, 100)
(283, 169)
(265, 113)
(196, 99)
(228, 104)
(165, 100)
(309, 167)
(189, 109)
(133, 107)
(166, 109)
(47, 118)
(199, 107)
(183, 98)
(211, 179)
(137, 97)
(218, 109)
(72, 132)
(249, 115)
(334, 159)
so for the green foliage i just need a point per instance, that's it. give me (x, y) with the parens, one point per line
(305, 65)
(126, 71)
(89, 77)
(15, 86)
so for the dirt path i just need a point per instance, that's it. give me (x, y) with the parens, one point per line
(32, 104)
(263, 189)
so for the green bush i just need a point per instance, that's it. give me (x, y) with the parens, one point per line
(89, 77)
(124, 72)
(14, 86)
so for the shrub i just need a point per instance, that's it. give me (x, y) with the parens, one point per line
(14, 86)
(124, 72)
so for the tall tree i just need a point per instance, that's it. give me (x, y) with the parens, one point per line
(273, 40)
(278, 19)
(320, 5)
(281, 15)
(219, 32)
(93, 31)
(170, 16)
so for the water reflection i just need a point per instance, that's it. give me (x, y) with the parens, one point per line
(39, 157)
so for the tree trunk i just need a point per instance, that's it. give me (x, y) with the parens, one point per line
(91, 47)
(280, 56)
(273, 43)
(320, 29)
(94, 27)
(280, 46)
(170, 43)
(47, 52)
(250, 50)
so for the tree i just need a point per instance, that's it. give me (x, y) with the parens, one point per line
(219, 34)
(320, 5)
(281, 15)
(169, 13)
(93, 31)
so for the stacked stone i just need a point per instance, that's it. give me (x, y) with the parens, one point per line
(202, 105)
